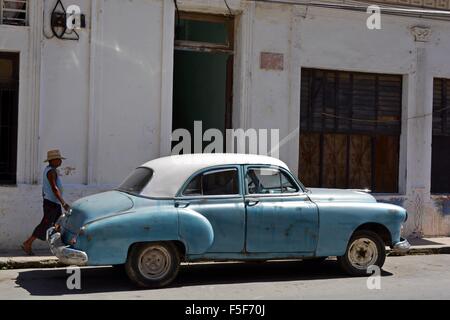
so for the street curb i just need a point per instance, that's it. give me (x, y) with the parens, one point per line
(49, 262)
(421, 251)
(10, 264)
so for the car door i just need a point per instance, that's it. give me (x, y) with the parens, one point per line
(280, 216)
(217, 195)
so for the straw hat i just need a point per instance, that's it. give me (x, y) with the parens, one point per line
(53, 155)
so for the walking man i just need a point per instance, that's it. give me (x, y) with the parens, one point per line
(52, 192)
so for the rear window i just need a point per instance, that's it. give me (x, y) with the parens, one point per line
(136, 181)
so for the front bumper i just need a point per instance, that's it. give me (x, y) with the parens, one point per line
(64, 253)
(402, 247)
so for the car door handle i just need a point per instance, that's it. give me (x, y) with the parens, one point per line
(251, 202)
(182, 204)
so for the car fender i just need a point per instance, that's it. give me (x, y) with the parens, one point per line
(107, 241)
(195, 231)
(339, 220)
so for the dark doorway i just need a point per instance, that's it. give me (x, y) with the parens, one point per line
(9, 91)
(203, 72)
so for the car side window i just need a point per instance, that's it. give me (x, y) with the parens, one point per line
(269, 181)
(214, 183)
(287, 185)
(194, 188)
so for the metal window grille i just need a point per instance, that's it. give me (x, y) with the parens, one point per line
(350, 130)
(14, 12)
(440, 177)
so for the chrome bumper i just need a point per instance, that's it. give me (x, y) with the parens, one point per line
(402, 247)
(64, 253)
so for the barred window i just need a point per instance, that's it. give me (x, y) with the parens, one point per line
(440, 177)
(350, 130)
(14, 12)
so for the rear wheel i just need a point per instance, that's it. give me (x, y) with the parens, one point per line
(153, 265)
(364, 249)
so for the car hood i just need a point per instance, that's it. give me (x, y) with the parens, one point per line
(97, 207)
(341, 195)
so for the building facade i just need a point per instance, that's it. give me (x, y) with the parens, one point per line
(356, 107)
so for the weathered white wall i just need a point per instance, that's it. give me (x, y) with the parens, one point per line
(106, 99)
(104, 91)
(271, 105)
(21, 211)
(131, 68)
(64, 98)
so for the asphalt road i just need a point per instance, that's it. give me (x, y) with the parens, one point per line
(410, 277)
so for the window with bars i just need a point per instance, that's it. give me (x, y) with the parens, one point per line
(14, 12)
(440, 174)
(350, 130)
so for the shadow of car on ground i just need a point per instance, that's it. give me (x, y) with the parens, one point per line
(52, 282)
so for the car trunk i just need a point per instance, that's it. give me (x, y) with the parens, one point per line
(96, 207)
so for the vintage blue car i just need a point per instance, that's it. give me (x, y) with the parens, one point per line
(222, 207)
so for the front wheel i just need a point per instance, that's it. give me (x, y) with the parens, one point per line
(364, 249)
(153, 265)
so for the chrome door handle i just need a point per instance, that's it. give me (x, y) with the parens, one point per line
(182, 204)
(251, 202)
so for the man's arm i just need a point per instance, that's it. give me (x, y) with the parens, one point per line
(51, 175)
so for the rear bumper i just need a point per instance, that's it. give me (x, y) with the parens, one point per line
(402, 247)
(64, 253)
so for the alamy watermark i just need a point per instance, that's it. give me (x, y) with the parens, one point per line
(74, 280)
(73, 17)
(374, 280)
(251, 141)
(374, 20)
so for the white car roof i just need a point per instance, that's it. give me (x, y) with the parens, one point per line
(170, 173)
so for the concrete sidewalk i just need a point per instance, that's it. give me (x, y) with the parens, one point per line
(43, 259)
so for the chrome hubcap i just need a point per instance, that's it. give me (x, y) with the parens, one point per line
(154, 262)
(363, 253)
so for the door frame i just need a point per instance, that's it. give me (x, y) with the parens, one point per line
(229, 48)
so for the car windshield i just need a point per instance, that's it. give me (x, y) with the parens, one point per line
(136, 181)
